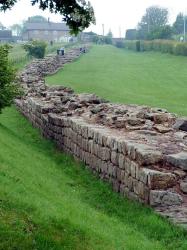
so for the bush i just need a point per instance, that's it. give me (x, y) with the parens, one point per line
(8, 88)
(133, 45)
(180, 49)
(35, 48)
(108, 40)
(164, 46)
(119, 44)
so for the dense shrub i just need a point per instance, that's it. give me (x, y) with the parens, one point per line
(35, 48)
(8, 88)
(180, 49)
(120, 44)
(164, 46)
(108, 40)
(133, 45)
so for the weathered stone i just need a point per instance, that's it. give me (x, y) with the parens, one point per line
(121, 161)
(181, 124)
(178, 160)
(164, 198)
(114, 158)
(141, 190)
(160, 180)
(104, 153)
(180, 173)
(130, 183)
(146, 155)
(131, 149)
(162, 129)
(180, 135)
(183, 186)
(133, 169)
(160, 117)
(142, 175)
(135, 121)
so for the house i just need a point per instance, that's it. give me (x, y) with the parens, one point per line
(6, 36)
(47, 31)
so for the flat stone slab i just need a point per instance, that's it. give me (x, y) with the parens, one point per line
(164, 198)
(178, 160)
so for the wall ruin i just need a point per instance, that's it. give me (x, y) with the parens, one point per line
(141, 151)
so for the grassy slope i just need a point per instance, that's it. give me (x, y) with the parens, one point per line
(48, 201)
(128, 77)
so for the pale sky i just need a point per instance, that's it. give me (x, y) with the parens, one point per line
(112, 13)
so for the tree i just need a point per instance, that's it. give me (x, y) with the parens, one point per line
(154, 18)
(78, 14)
(178, 25)
(35, 48)
(16, 29)
(108, 37)
(164, 32)
(8, 89)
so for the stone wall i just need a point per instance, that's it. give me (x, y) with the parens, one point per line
(141, 151)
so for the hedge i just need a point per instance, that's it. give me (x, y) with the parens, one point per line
(164, 46)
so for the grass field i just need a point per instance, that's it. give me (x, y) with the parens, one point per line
(49, 201)
(123, 76)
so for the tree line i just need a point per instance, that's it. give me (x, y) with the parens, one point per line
(154, 24)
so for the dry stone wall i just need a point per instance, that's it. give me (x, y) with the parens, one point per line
(141, 151)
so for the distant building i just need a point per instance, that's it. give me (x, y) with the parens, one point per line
(47, 31)
(131, 34)
(6, 36)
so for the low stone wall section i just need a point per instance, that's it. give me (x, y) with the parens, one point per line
(141, 151)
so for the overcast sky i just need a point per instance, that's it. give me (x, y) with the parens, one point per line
(113, 13)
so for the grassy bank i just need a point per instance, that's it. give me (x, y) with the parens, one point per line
(128, 77)
(48, 201)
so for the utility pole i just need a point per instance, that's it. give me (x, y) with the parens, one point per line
(103, 27)
(120, 32)
(148, 25)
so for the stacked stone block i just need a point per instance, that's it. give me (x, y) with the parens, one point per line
(142, 168)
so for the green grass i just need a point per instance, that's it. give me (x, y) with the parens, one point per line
(150, 78)
(49, 201)
(18, 56)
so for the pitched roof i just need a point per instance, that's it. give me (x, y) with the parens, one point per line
(46, 26)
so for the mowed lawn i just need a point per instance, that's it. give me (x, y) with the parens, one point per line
(150, 78)
(49, 201)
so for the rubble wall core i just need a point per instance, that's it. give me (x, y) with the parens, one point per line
(141, 151)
